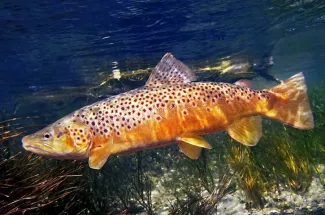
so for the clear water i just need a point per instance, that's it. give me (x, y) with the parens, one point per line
(60, 43)
(52, 45)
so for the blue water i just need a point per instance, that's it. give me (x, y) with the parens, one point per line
(67, 43)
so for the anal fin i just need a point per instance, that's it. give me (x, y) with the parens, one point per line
(247, 131)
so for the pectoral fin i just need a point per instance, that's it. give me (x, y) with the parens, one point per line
(98, 157)
(192, 145)
(247, 131)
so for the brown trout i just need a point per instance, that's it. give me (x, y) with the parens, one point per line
(171, 108)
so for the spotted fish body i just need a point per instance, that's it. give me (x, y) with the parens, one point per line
(151, 116)
(171, 108)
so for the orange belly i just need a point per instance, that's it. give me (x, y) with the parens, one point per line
(169, 126)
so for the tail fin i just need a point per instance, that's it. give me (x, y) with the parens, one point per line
(291, 104)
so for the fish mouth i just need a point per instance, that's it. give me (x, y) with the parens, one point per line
(26, 143)
(39, 151)
(34, 149)
(30, 145)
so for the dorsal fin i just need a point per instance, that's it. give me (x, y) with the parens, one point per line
(170, 71)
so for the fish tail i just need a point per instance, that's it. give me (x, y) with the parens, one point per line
(291, 105)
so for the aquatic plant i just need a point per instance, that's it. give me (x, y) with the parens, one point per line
(201, 203)
(142, 186)
(30, 184)
(248, 175)
(280, 158)
(197, 186)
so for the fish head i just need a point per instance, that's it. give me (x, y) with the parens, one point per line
(64, 139)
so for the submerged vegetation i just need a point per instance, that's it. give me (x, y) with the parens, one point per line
(285, 159)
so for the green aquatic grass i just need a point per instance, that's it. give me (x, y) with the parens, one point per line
(247, 173)
(196, 187)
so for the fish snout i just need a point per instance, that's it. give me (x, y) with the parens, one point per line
(32, 144)
(27, 142)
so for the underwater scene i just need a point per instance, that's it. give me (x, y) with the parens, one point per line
(162, 107)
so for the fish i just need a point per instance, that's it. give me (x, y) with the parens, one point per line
(172, 107)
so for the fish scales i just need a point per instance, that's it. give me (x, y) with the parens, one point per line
(203, 107)
(171, 108)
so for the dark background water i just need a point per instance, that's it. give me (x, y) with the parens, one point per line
(46, 44)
